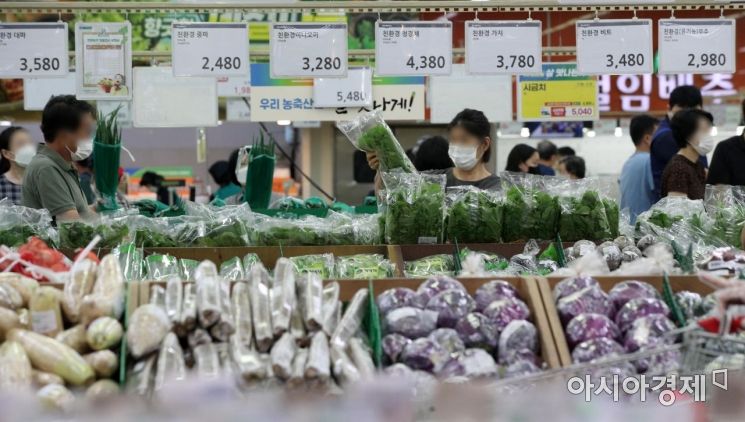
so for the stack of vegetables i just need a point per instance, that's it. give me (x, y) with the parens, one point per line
(529, 213)
(364, 266)
(631, 317)
(441, 264)
(283, 330)
(414, 208)
(370, 133)
(54, 339)
(584, 216)
(474, 216)
(335, 229)
(440, 329)
(18, 223)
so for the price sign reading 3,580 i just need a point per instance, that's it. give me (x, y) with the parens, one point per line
(210, 49)
(307, 50)
(697, 45)
(413, 48)
(614, 46)
(503, 47)
(33, 50)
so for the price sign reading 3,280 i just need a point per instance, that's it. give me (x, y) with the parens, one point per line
(210, 49)
(308, 50)
(413, 48)
(33, 50)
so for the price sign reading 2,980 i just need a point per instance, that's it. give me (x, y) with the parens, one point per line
(308, 50)
(210, 49)
(413, 48)
(33, 50)
(697, 45)
(614, 46)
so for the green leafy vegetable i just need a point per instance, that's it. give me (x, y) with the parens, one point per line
(414, 211)
(584, 218)
(78, 234)
(363, 266)
(442, 264)
(380, 140)
(322, 264)
(475, 217)
(529, 214)
(492, 261)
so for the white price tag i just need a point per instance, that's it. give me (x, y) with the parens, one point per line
(504, 47)
(210, 49)
(353, 91)
(301, 50)
(614, 46)
(33, 50)
(413, 48)
(235, 86)
(697, 45)
(236, 110)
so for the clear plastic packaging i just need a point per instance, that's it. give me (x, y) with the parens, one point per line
(161, 267)
(46, 314)
(242, 318)
(583, 211)
(174, 299)
(331, 307)
(369, 132)
(595, 349)
(80, 283)
(187, 267)
(207, 361)
(586, 301)
(317, 365)
(15, 367)
(425, 354)
(351, 321)
(188, 318)
(297, 373)
(631, 289)
(170, 365)
(397, 297)
(492, 291)
(588, 326)
(572, 285)
(531, 212)
(449, 340)
(342, 366)
(103, 362)
(247, 361)
(477, 330)
(313, 302)
(261, 307)
(474, 215)
(18, 223)
(471, 364)
(410, 322)
(435, 265)
(284, 279)
(434, 285)
(414, 208)
(637, 308)
(49, 355)
(645, 329)
(322, 264)
(360, 354)
(104, 333)
(517, 336)
(209, 310)
(282, 354)
(451, 305)
(363, 266)
(147, 327)
(393, 344)
(504, 311)
(232, 269)
(249, 261)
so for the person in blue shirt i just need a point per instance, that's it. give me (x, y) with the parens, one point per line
(636, 182)
(547, 157)
(663, 146)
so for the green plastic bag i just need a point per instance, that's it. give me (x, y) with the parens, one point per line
(260, 175)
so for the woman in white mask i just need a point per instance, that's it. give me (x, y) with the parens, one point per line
(684, 175)
(16, 151)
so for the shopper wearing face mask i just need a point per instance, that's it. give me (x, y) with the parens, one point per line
(51, 181)
(685, 174)
(16, 151)
(523, 159)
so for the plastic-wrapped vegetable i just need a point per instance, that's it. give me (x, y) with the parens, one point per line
(583, 214)
(188, 319)
(410, 322)
(232, 269)
(393, 344)
(297, 326)
(582, 248)
(415, 208)
(630, 253)
(436, 284)
(208, 294)
(313, 302)
(360, 354)
(331, 307)
(572, 285)
(342, 366)
(448, 339)
(80, 283)
(351, 321)
(9, 297)
(171, 365)
(637, 308)
(25, 286)
(631, 289)
(174, 298)
(261, 307)
(242, 314)
(247, 361)
(611, 254)
(645, 328)
(474, 215)
(660, 362)
(369, 132)
(521, 368)
(147, 327)
(50, 355)
(158, 296)
(322, 264)
(395, 298)
(104, 333)
(317, 365)
(284, 279)
(282, 354)
(451, 305)
(689, 303)
(594, 349)
(108, 291)
(198, 337)
(492, 291)
(363, 266)
(435, 265)
(470, 363)
(504, 311)
(425, 354)
(141, 378)
(477, 330)
(224, 327)
(517, 336)
(588, 326)
(75, 338)
(208, 363)
(590, 300)
(161, 267)
(103, 362)
(46, 315)
(187, 267)
(531, 213)
(15, 368)
(297, 373)
(249, 261)
(9, 320)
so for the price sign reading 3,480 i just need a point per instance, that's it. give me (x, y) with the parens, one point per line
(32, 50)
(614, 46)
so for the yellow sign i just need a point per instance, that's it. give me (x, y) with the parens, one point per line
(560, 94)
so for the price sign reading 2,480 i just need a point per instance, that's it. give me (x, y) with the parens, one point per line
(210, 49)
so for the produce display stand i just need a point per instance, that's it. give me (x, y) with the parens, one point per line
(546, 285)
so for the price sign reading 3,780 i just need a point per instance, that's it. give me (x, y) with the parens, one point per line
(413, 48)
(210, 49)
(503, 47)
(33, 50)
(614, 46)
(697, 45)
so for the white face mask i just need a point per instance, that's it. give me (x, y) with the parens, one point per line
(463, 157)
(241, 169)
(85, 149)
(24, 155)
(705, 145)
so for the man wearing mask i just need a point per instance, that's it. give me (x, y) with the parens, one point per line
(664, 146)
(51, 181)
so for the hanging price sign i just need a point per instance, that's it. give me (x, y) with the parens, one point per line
(353, 91)
(413, 48)
(697, 45)
(33, 50)
(210, 49)
(303, 50)
(503, 47)
(614, 46)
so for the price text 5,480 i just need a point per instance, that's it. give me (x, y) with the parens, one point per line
(707, 59)
(515, 61)
(221, 63)
(624, 60)
(350, 96)
(39, 64)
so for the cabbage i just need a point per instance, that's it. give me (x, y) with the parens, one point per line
(571, 285)
(410, 322)
(506, 310)
(689, 303)
(425, 354)
(587, 326)
(637, 308)
(451, 305)
(518, 337)
(470, 363)
(448, 339)
(632, 289)
(395, 298)
(477, 330)
(436, 284)
(708, 304)
(492, 291)
(590, 300)
(393, 345)
(644, 329)
(657, 363)
(594, 349)
(521, 368)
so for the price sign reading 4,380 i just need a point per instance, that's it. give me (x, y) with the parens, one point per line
(697, 45)
(210, 49)
(308, 50)
(614, 46)
(33, 50)
(413, 48)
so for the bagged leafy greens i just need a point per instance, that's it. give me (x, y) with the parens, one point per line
(583, 212)
(78, 234)
(474, 215)
(415, 208)
(442, 264)
(529, 211)
(363, 266)
(370, 133)
(18, 223)
(492, 262)
(322, 264)
(161, 267)
(726, 205)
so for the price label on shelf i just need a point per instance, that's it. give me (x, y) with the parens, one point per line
(234, 86)
(209, 49)
(503, 47)
(697, 45)
(308, 50)
(614, 46)
(413, 48)
(33, 50)
(353, 91)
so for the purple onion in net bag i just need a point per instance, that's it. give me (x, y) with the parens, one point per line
(590, 300)
(637, 308)
(451, 305)
(588, 326)
(492, 291)
(631, 289)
